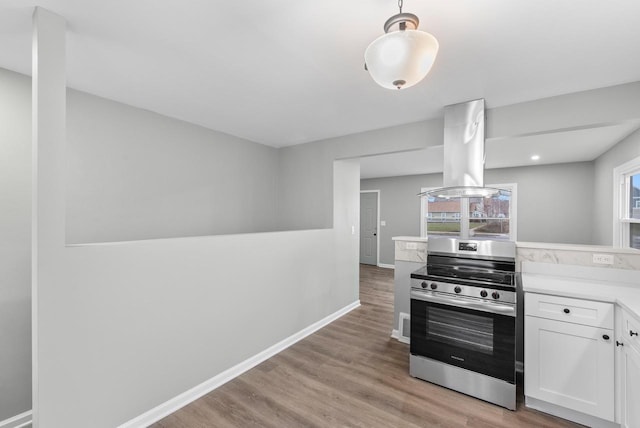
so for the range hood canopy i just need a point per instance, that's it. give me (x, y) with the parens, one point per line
(464, 135)
(465, 192)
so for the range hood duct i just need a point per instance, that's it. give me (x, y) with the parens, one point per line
(464, 135)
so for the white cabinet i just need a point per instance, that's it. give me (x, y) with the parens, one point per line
(570, 353)
(629, 372)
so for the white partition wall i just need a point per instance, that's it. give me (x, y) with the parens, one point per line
(48, 133)
(121, 328)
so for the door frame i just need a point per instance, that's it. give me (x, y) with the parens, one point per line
(377, 224)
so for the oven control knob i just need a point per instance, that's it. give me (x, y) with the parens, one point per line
(495, 295)
(424, 284)
(457, 289)
(434, 285)
(484, 293)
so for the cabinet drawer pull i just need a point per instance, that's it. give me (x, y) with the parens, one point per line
(619, 343)
(633, 333)
(605, 336)
(566, 310)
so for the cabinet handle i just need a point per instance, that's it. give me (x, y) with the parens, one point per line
(566, 310)
(605, 336)
(619, 343)
(633, 333)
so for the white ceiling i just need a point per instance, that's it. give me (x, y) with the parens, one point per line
(555, 147)
(285, 72)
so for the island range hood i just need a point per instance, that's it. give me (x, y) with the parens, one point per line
(464, 135)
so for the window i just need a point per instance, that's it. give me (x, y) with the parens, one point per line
(492, 217)
(626, 227)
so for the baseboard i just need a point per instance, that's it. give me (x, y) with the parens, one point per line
(396, 335)
(18, 421)
(571, 415)
(386, 266)
(170, 406)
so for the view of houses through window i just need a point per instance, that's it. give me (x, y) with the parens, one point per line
(490, 217)
(633, 194)
(626, 225)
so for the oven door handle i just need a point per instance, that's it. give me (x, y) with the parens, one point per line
(484, 306)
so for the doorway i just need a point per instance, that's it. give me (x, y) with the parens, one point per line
(369, 220)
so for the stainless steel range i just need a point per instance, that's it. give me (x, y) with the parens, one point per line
(463, 318)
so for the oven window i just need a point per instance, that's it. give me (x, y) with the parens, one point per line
(464, 330)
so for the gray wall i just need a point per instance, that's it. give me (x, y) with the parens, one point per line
(624, 151)
(305, 180)
(554, 203)
(133, 174)
(305, 171)
(15, 245)
(399, 207)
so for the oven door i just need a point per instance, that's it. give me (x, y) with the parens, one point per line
(474, 334)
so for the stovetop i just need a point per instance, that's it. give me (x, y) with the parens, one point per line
(506, 283)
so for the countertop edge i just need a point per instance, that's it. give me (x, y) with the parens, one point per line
(546, 246)
(410, 238)
(576, 247)
(624, 294)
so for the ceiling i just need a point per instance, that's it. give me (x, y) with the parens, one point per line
(579, 145)
(284, 72)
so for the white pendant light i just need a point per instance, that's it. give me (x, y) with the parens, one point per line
(402, 56)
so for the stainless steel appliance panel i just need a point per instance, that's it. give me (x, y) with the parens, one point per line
(477, 385)
(464, 151)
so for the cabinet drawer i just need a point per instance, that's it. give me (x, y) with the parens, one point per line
(577, 311)
(631, 330)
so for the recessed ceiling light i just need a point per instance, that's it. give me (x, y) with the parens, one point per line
(535, 157)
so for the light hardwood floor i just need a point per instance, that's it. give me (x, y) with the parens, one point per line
(348, 374)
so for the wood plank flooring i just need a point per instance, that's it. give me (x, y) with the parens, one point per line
(348, 374)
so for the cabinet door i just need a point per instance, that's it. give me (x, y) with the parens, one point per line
(630, 388)
(570, 365)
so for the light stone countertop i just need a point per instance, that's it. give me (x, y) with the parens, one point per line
(546, 246)
(410, 238)
(577, 247)
(621, 287)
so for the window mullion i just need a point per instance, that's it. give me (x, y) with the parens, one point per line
(464, 218)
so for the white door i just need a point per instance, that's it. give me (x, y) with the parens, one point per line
(631, 387)
(369, 228)
(570, 365)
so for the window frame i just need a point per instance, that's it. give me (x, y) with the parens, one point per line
(621, 202)
(464, 208)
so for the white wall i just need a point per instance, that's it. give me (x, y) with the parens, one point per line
(564, 214)
(123, 327)
(132, 325)
(135, 324)
(15, 245)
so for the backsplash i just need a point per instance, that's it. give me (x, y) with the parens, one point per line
(414, 249)
(411, 249)
(576, 255)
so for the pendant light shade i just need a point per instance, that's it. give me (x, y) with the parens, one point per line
(402, 56)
